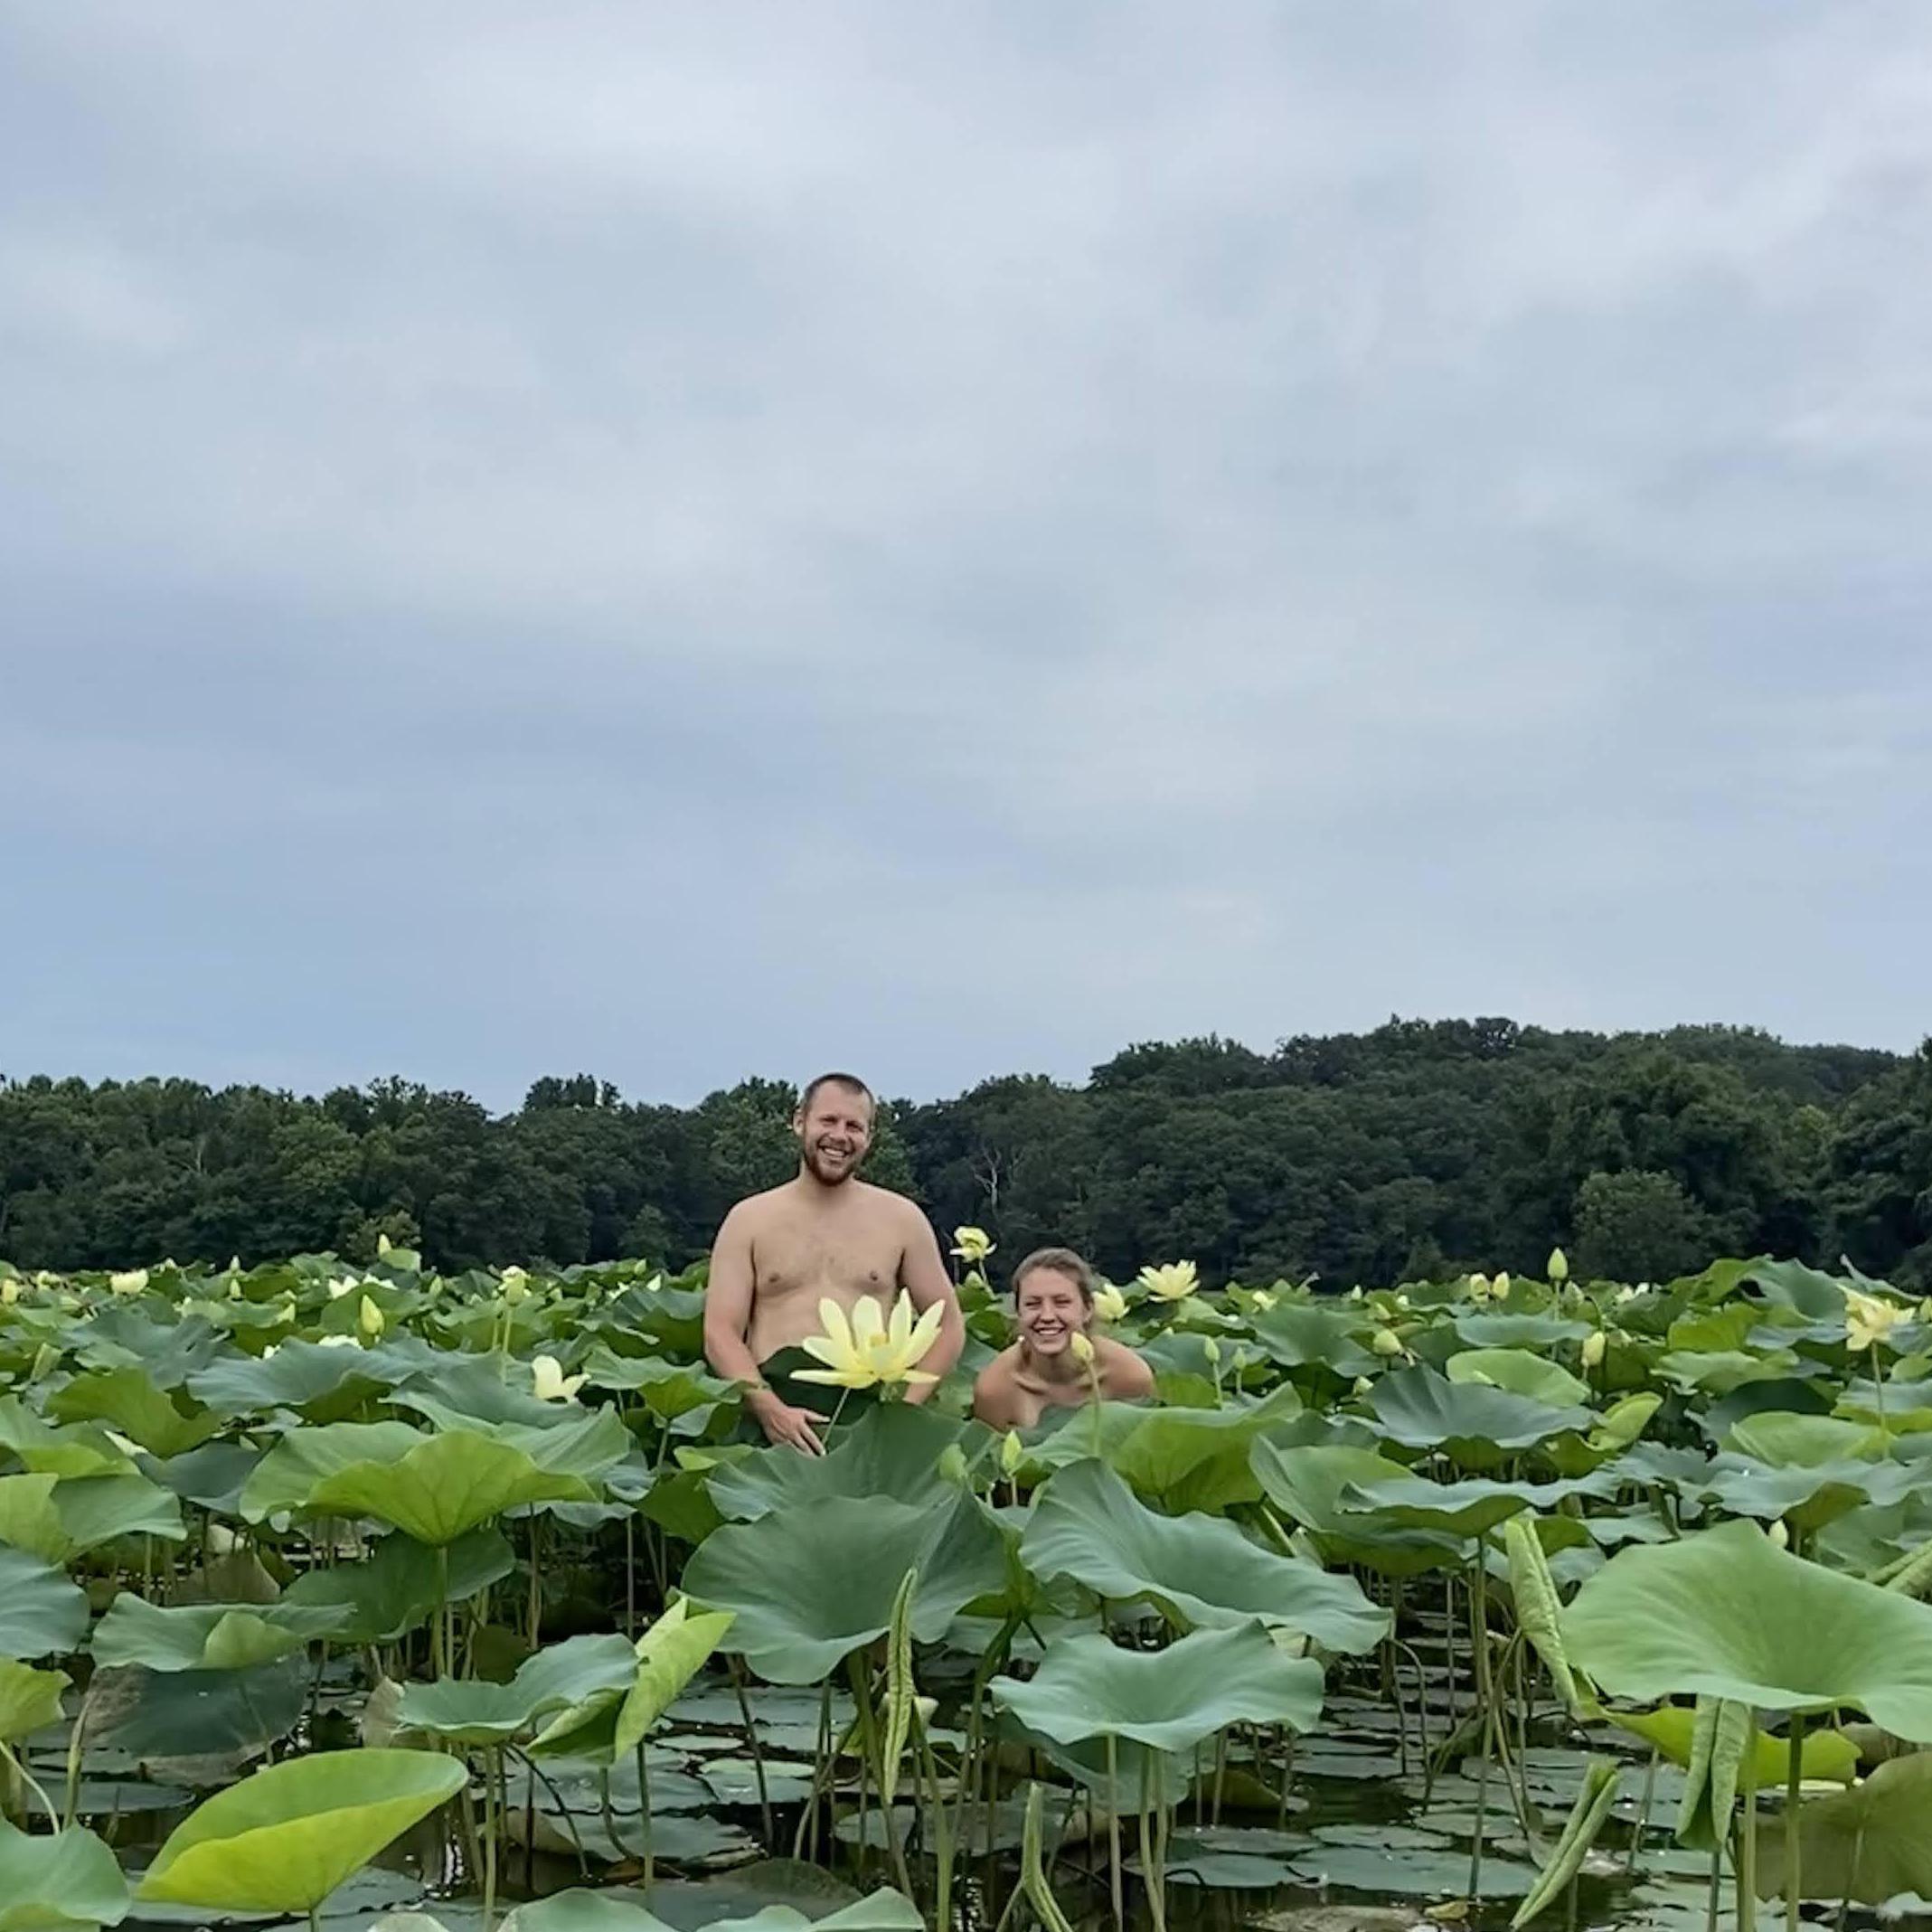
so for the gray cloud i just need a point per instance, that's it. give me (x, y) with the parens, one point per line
(713, 539)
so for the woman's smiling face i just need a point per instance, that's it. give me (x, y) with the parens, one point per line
(1051, 1310)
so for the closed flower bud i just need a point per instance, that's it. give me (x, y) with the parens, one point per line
(369, 1318)
(1082, 1349)
(1593, 1347)
(1386, 1342)
(1558, 1266)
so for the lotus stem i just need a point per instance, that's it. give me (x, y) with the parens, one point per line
(1794, 1845)
(643, 1808)
(490, 1820)
(1479, 1638)
(1643, 1824)
(18, 1766)
(756, 1749)
(1747, 1856)
(1115, 1890)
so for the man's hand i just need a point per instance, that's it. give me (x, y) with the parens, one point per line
(784, 1424)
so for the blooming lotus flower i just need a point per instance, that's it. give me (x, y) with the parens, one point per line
(1594, 1345)
(1385, 1342)
(1870, 1319)
(1108, 1303)
(862, 1351)
(1173, 1283)
(1557, 1266)
(1262, 1300)
(549, 1384)
(369, 1318)
(130, 1283)
(1628, 1295)
(1361, 1386)
(1478, 1288)
(343, 1285)
(972, 1245)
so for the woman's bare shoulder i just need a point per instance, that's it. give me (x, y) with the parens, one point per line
(1127, 1373)
(995, 1389)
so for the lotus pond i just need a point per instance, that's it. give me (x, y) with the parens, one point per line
(354, 1597)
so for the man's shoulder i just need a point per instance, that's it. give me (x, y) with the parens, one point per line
(760, 1207)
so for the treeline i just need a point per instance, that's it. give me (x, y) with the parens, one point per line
(1414, 1150)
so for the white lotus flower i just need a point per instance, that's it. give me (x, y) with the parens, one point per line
(129, 1283)
(1108, 1303)
(549, 1384)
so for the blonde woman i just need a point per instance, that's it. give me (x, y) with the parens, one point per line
(1053, 1294)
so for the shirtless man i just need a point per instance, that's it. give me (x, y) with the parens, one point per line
(1052, 1294)
(824, 1233)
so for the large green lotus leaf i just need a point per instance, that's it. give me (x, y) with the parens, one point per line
(1868, 1844)
(1791, 1284)
(208, 1637)
(434, 1487)
(284, 1839)
(30, 1700)
(131, 1400)
(41, 1612)
(470, 1710)
(1168, 1699)
(1464, 1509)
(1306, 1482)
(470, 1392)
(320, 1383)
(189, 1713)
(1178, 1459)
(1506, 1330)
(59, 1519)
(28, 1519)
(1522, 1373)
(1728, 1613)
(126, 1336)
(42, 1449)
(1471, 1422)
(810, 1585)
(1826, 1756)
(1723, 1371)
(58, 1881)
(1788, 1441)
(1810, 1495)
(1298, 1334)
(213, 1475)
(1201, 1570)
(893, 1450)
(394, 1590)
(607, 1723)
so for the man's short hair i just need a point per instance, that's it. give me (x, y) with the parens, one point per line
(1063, 1261)
(851, 1082)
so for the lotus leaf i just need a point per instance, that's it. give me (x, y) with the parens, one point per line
(1300, 1333)
(284, 1839)
(1087, 1524)
(41, 1612)
(1464, 1509)
(1826, 1756)
(810, 1584)
(1522, 1373)
(184, 1713)
(1167, 1700)
(1725, 1613)
(42, 1449)
(59, 1521)
(470, 1710)
(433, 1488)
(320, 1383)
(59, 1881)
(1306, 1484)
(208, 1637)
(1506, 1329)
(30, 1700)
(129, 1398)
(612, 1719)
(1791, 1284)
(893, 1450)
(400, 1584)
(1868, 1844)
(1472, 1423)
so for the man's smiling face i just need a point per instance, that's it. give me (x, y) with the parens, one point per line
(834, 1128)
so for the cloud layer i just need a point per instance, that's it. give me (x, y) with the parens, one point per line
(708, 539)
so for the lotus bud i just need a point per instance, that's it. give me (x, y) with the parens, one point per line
(46, 1358)
(126, 1445)
(1778, 1533)
(1210, 1348)
(1386, 1342)
(286, 1312)
(1354, 1294)
(1557, 1266)
(369, 1318)
(1500, 1288)
(383, 1244)
(517, 1285)
(1013, 1453)
(952, 1465)
(341, 1287)
(130, 1283)
(1263, 1300)
(1361, 1385)
(1082, 1349)
(1401, 1302)
(1594, 1345)
(926, 1708)
(9, 1291)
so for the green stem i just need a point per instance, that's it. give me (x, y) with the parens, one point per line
(492, 1822)
(1793, 1774)
(1479, 1637)
(644, 1807)
(1746, 1858)
(1115, 1890)
(33, 1784)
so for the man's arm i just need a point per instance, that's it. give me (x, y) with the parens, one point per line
(727, 1324)
(923, 1274)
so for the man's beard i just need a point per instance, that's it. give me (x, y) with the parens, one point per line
(836, 1174)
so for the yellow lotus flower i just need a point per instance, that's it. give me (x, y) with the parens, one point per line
(1108, 1303)
(130, 1283)
(549, 1384)
(1081, 1349)
(1478, 1288)
(972, 1244)
(1870, 1319)
(369, 1318)
(1173, 1283)
(341, 1286)
(1557, 1266)
(862, 1351)
(1594, 1345)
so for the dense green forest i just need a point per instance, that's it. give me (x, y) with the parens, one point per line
(1409, 1151)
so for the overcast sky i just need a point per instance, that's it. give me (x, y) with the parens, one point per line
(692, 540)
